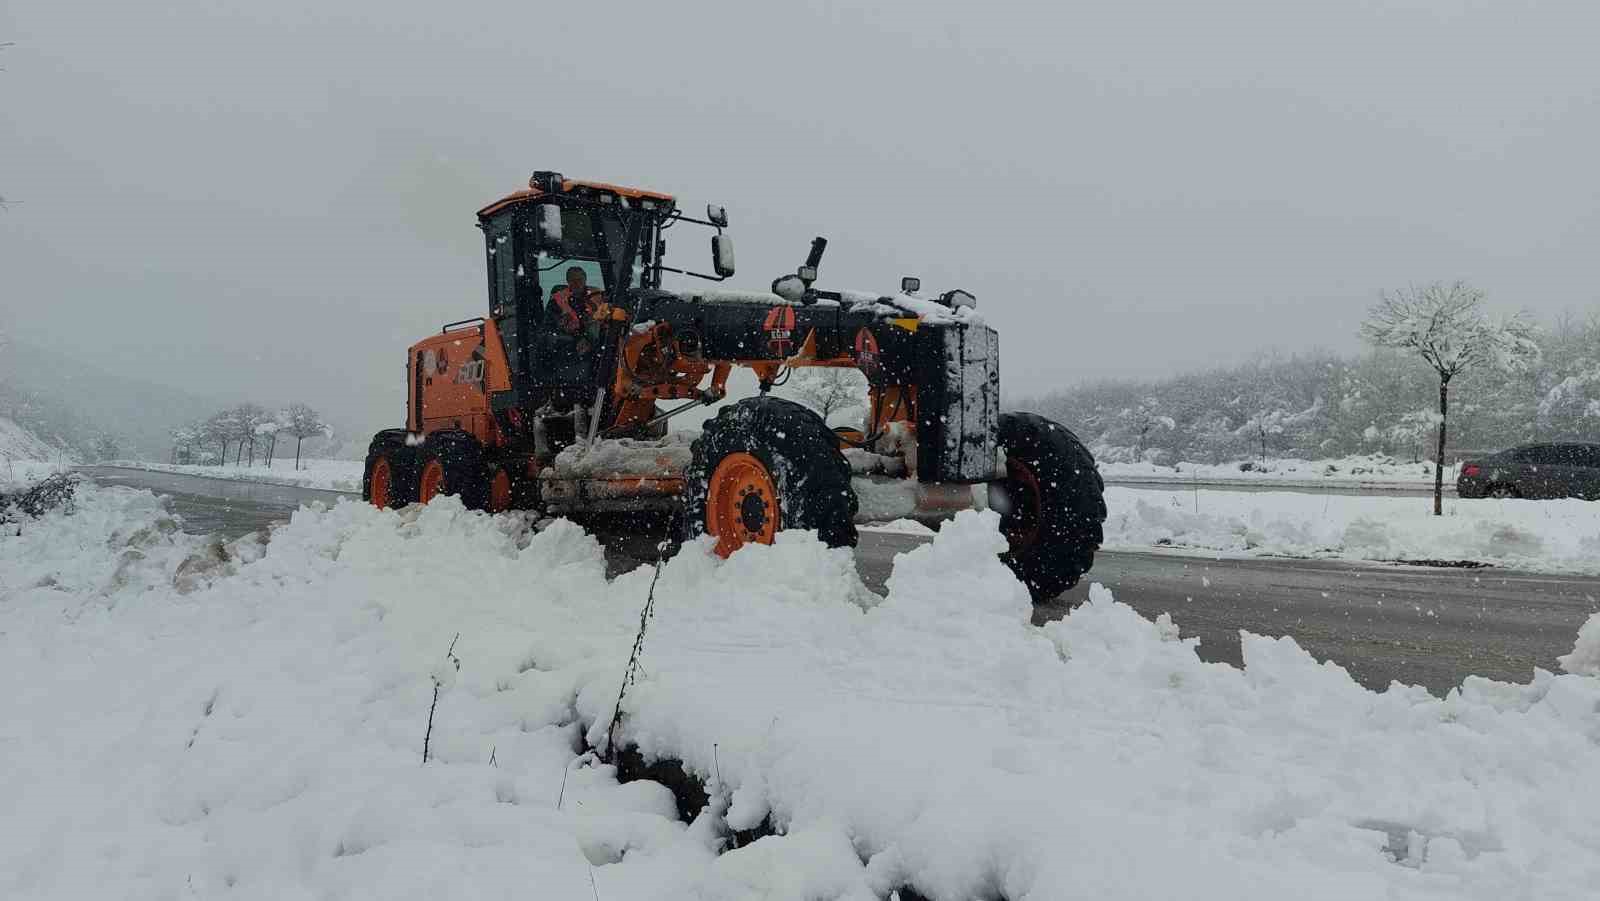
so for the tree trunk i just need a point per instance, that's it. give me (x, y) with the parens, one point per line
(1438, 459)
(272, 446)
(297, 440)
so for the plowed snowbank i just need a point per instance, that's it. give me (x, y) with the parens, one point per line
(1541, 536)
(186, 718)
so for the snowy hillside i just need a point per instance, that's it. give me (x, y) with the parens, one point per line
(17, 443)
(189, 720)
(25, 457)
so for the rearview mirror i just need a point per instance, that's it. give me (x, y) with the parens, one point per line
(550, 221)
(789, 287)
(717, 215)
(722, 255)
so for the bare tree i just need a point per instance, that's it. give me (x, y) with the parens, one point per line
(1447, 326)
(827, 390)
(302, 422)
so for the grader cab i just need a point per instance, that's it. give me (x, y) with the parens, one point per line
(559, 399)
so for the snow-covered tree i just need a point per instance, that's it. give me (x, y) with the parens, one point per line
(828, 390)
(219, 428)
(245, 420)
(1447, 327)
(1138, 422)
(184, 439)
(105, 447)
(302, 422)
(267, 432)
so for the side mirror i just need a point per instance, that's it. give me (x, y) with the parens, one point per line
(717, 215)
(807, 274)
(722, 255)
(910, 284)
(959, 298)
(789, 287)
(550, 221)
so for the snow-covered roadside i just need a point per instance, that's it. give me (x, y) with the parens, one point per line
(16, 475)
(188, 719)
(1539, 536)
(1372, 473)
(331, 475)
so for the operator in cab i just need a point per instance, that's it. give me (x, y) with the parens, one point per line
(575, 304)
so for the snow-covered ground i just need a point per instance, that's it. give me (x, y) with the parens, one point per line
(334, 475)
(1375, 472)
(1541, 536)
(184, 719)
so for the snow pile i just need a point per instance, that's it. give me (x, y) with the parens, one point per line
(1541, 536)
(329, 475)
(1585, 657)
(1371, 471)
(261, 734)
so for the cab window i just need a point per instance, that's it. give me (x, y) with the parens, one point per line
(589, 239)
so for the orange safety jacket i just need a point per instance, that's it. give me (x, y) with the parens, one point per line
(573, 316)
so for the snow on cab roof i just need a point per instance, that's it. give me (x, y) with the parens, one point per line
(568, 185)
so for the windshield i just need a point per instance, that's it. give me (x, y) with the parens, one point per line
(591, 240)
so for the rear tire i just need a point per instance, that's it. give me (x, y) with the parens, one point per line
(452, 463)
(766, 464)
(1052, 504)
(388, 480)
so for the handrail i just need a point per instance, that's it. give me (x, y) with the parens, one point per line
(450, 325)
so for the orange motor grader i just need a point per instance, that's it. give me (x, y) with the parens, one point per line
(558, 400)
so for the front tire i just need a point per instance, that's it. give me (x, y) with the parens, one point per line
(762, 465)
(1052, 504)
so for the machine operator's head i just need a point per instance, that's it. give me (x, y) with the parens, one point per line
(576, 279)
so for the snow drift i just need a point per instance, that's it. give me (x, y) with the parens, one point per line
(1538, 536)
(193, 718)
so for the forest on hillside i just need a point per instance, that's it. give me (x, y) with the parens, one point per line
(1321, 405)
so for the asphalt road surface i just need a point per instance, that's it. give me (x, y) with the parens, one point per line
(1427, 626)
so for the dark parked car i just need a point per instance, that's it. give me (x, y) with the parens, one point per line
(1534, 471)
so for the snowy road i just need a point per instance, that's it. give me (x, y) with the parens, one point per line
(1420, 625)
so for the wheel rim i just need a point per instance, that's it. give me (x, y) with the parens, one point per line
(1501, 491)
(379, 492)
(1020, 524)
(742, 504)
(499, 492)
(432, 481)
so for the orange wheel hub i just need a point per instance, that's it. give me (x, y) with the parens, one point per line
(499, 491)
(432, 481)
(741, 504)
(380, 483)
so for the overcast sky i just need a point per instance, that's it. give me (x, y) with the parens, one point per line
(273, 199)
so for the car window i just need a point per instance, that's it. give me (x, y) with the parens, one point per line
(1587, 455)
(1539, 453)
